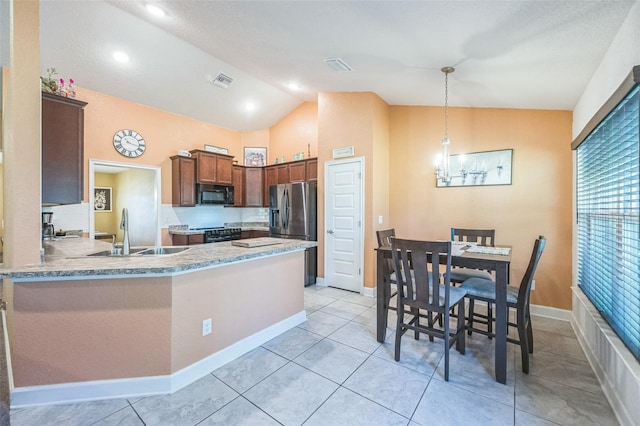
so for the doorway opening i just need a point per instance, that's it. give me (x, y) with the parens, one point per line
(114, 186)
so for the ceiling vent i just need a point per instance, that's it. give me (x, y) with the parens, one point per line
(222, 80)
(337, 64)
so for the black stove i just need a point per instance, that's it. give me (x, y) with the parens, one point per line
(215, 235)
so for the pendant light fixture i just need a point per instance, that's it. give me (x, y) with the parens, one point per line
(443, 171)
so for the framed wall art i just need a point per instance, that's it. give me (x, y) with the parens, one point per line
(480, 169)
(101, 199)
(255, 156)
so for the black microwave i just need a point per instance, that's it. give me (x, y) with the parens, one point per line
(214, 194)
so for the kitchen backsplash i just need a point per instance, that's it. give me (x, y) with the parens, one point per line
(76, 216)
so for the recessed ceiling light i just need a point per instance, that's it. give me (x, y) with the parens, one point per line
(155, 11)
(121, 57)
(294, 86)
(249, 106)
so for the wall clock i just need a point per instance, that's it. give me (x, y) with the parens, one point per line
(129, 143)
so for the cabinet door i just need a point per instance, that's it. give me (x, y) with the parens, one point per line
(238, 186)
(205, 167)
(270, 178)
(253, 186)
(224, 167)
(183, 181)
(312, 170)
(62, 150)
(298, 171)
(283, 173)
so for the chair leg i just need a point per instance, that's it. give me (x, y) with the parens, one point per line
(529, 332)
(430, 323)
(399, 331)
(470, 322)
(524, 342)
(460, 342)
(490, 319)
(446, 347)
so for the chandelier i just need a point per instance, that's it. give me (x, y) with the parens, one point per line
(443, 171)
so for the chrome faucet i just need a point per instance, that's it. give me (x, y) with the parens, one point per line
(124, 224)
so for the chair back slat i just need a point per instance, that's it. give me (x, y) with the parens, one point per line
(422, 288)
(484, 237)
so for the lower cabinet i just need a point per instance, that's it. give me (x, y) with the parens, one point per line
(187, 240)
(253, 234)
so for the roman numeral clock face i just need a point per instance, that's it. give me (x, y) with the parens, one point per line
(129, 143)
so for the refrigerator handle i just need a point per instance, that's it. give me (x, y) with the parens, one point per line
(287, 209)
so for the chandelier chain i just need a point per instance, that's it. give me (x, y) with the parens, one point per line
(446, 105)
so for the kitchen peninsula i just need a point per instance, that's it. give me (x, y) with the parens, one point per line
(87, 327)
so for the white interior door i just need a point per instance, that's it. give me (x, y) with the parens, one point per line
(343, 239)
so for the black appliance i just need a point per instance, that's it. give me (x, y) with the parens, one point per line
(292, 214)
(216, 235)
(214, 194)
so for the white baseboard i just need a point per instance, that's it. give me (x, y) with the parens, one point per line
(145, 386)
(549, 312)
(616, 368)
(369, 291)
(320, 281)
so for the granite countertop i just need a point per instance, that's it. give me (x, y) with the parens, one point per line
(67, 258)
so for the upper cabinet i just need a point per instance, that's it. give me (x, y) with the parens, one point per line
(238, 186)
(183, 178)
(213, 168)
(298, 171)
(62, 149)
(312, 170)
(253, 178)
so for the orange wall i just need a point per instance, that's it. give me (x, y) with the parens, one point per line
(358, 120)
(297, 132)
(538, 201)
(165, 133)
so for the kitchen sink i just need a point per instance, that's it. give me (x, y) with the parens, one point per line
(117, 252)
(163, 250)
(140, 251)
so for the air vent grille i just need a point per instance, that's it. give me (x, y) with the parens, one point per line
(222, 80)
(337, 64)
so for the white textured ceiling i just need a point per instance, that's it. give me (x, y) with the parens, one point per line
(507, 54)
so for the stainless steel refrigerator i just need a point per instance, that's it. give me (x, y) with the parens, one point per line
(292, 214)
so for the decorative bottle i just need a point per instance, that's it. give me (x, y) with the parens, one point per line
(62, 91)
(71, 90)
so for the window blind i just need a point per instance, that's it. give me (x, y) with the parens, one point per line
(608, 208)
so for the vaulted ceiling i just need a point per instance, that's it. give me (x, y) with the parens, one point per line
(507, 54)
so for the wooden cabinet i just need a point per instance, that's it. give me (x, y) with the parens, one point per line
(62, 149)
(270, 178)
(213, 168)
(187, 240)
(238, 186)
(312, 170)
(283, 173)
(253, 234)
(298, 171)
(183, 181)
(253, 187)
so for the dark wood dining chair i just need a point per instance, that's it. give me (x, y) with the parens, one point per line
(422, 291)
(517, 298)
(484, 237)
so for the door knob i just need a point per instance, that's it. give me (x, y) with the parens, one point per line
(330, 231)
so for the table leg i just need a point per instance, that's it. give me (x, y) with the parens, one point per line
(382, 297)
(502, 312)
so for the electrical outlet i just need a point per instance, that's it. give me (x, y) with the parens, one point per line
(380, 220)
(533, 284)
(206, 326)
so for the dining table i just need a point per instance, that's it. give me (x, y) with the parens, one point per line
(496, 259)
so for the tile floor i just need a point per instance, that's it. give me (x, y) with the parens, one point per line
(331, 370)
